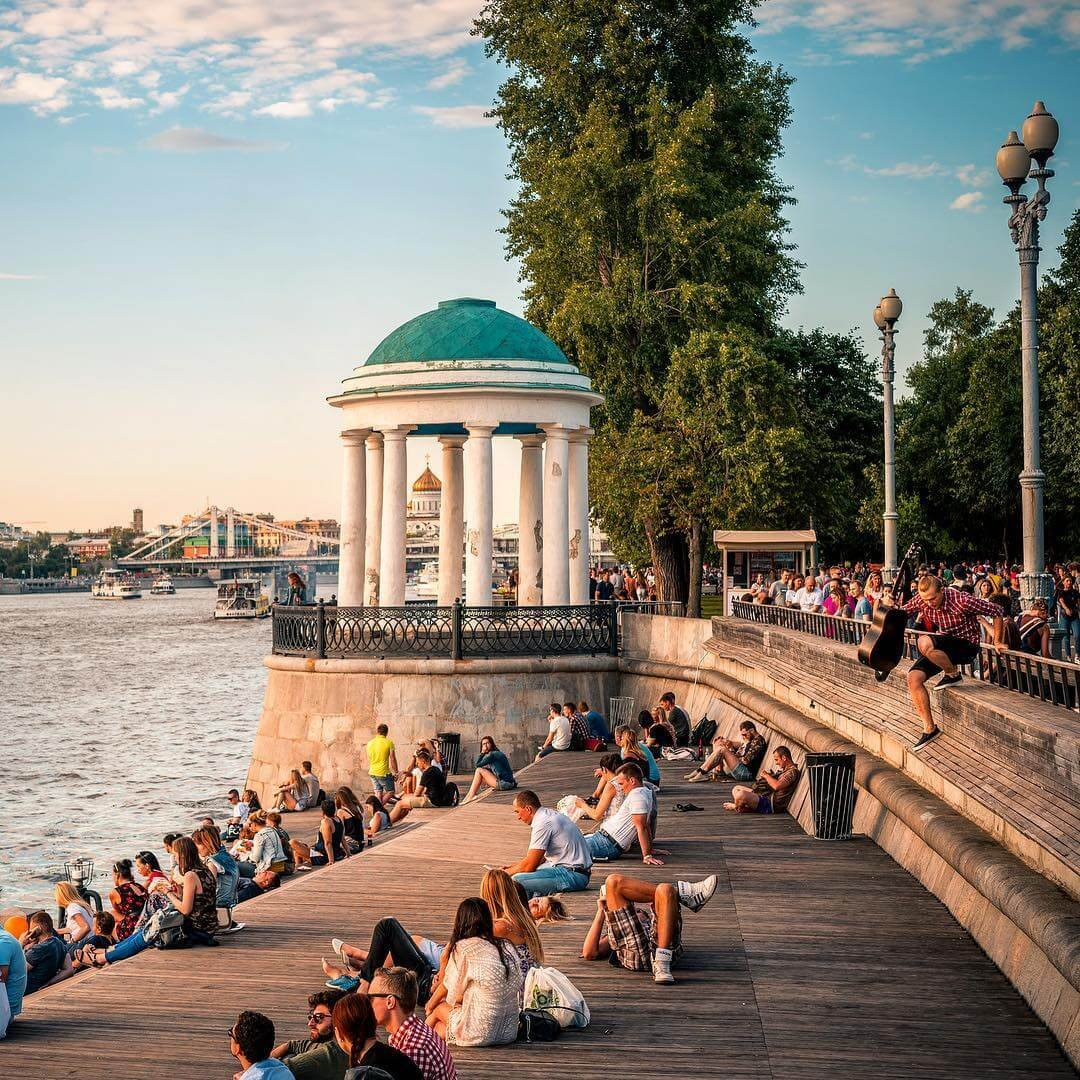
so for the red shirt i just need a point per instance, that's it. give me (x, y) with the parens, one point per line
(958, 615)
(427, 1051)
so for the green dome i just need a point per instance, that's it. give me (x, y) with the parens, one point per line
(466, 329)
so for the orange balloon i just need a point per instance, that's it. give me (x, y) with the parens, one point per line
(17, 925)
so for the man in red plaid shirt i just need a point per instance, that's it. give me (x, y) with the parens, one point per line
(951, 619)
(393, 998)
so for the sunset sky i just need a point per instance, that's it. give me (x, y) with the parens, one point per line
(213, 212)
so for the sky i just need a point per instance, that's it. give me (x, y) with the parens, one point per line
(212, 213)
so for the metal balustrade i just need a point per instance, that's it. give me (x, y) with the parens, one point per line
(1056, 682)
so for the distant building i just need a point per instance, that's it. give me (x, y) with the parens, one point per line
(89, 547)
(12, 535)
(327, 527)
(137, 521)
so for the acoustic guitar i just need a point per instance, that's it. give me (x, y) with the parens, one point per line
(882, 646)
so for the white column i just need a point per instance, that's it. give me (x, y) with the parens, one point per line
(230, 533)
(350, 590)
(578, 513)
(395, 496)
(213, 533)
(531, 521)
(556, 516)
(478, 515)
(451, 519)
(373, 532)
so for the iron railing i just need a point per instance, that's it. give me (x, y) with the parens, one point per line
(1054, 681)
(323, 631)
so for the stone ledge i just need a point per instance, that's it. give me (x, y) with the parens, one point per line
(1025, 923)
(509, 665)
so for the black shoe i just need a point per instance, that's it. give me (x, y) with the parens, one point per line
(947, 680)
(924, 738)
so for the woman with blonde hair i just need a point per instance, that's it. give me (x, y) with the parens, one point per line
(78, 921)
(511, 919)
(293, 789)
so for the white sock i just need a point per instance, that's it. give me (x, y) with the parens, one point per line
(663, 959)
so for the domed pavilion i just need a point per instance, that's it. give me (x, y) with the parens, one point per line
(465, 373)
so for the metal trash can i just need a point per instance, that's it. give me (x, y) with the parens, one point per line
(832, 794)
(450, 749)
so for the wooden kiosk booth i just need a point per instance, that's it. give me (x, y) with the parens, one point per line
(746, 553)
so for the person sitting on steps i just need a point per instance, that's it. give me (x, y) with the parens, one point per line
(638, 924)
(775, 788)
(740, 761)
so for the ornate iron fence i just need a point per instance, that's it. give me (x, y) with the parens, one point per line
(1053, 681)
(322, 631)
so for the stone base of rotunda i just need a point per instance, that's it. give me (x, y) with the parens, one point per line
(325, 711)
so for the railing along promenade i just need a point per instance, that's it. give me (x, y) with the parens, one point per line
(1054, 681)
(460, 632)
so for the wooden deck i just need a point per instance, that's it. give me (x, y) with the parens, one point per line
(812, 960)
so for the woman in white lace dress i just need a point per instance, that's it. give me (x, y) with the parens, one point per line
(481, 985)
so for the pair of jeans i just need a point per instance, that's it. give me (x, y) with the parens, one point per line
(245, 869)
(1072, 628)
(602, 847)
(553, 879)
(130, 946)
(550, 749)
(390, 938)
(383, 785)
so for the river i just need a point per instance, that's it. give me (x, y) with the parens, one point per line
(120, 721)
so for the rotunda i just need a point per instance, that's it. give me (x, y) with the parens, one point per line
(465, 373)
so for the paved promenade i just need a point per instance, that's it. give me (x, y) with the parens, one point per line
(812, 960)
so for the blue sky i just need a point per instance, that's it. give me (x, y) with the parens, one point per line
(209, 219)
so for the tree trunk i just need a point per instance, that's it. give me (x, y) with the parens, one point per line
(671, 562)
(693, 601)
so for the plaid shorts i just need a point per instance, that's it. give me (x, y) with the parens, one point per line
(631, 933)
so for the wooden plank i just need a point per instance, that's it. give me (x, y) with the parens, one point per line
(812, 960)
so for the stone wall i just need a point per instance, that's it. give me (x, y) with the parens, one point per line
(326, 711)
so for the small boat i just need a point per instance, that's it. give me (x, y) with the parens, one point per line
(115, 585)
(241, 598)
(163, 586)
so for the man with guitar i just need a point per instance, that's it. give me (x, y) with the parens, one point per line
(951, 621)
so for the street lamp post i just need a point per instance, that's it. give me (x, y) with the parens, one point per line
(885, 316)
(1014, 159)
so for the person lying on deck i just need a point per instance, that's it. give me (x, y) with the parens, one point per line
(558, 859)
(773, 791)
(632, 821)
(638, 924)
(740, 761)
(318, 1055)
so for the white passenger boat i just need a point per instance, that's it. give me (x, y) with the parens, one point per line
(241, 598)
(163, 586)
(115, 585)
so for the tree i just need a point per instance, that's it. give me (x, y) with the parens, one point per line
(643, 139)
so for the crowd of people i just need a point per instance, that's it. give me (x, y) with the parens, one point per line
(428, 996)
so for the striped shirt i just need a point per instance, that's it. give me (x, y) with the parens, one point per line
(958, 615)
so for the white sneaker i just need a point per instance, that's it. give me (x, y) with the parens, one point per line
(661, 967)
(696, 894)
(335, 944)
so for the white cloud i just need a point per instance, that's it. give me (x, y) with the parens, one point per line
(969, 175)
(456, 116)
(111, 98)
(168, 99)
(285, 110)
(20, 277)
(454, 73)
(971, 201)
(42, 93)
(918, 30)
(185, 140)
(288, 58)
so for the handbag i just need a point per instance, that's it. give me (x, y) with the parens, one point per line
(165, 930)
(549, 990)
(536, 1025)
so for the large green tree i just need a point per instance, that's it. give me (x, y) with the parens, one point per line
(643, 140)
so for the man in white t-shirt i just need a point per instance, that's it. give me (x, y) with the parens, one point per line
(632, 821)
(558, 859)
(559, 732)
(809, 597)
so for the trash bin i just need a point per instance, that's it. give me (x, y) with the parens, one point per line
(450, 749)
(832, 794)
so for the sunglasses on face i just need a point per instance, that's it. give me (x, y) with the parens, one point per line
(317, 1018)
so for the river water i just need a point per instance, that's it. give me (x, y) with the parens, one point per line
(120, 721)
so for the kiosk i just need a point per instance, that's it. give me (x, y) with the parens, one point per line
(746, 553)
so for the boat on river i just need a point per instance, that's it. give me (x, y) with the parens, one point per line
(115, 585)
(241, 598)
(163, 586)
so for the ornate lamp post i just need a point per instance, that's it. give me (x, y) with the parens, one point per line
(885, 316)
(1040, 135)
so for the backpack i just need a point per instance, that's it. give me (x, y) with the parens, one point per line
(703, 732)
(165, 930)
(451, 795)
